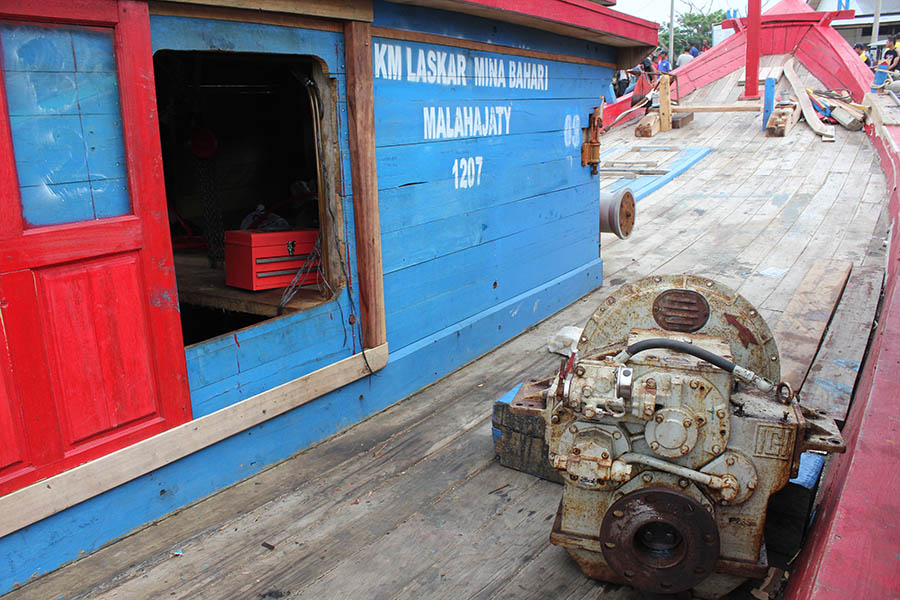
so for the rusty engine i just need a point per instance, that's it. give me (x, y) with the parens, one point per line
(671, 432)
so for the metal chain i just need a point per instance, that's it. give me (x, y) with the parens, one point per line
(214, 228)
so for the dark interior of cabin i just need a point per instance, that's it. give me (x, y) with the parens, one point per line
(239, 147)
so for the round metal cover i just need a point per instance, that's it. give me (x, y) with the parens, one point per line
(731, 317)
(681, 310)
(626, 214)
(660, 540)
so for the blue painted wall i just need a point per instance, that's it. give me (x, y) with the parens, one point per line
(64, 115)
(467, 266)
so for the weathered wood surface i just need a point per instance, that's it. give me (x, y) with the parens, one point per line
(201, 285)
(755, 214)
(806, 317)
(832, 377)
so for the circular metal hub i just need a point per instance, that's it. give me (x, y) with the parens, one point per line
(660, 540)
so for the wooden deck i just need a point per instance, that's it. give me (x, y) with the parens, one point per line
(411, 503)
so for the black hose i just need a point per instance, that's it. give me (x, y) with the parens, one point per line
(714, 359)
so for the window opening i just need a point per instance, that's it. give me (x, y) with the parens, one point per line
(246, 142)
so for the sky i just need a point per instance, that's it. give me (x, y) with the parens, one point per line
(658, 10)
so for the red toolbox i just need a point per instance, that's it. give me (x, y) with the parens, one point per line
(262, 260)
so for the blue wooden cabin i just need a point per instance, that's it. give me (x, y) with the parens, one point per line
(434, 144)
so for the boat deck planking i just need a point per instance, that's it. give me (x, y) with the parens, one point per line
(411, 503)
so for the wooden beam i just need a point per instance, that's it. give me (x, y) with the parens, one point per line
(241, 15)
(364, 174)
(800, 328)
(353, 10)
(809, 113)
(665, 104)
(832, 377)
(54, 494)
(742, 107)
(681, 120)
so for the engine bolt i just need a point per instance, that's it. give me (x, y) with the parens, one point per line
(604, 455)
(586, 391)
(773, 358)
(751, 485)
(694, 384)
(685, 449)
(651, 383)
(573, 429)
(573, 477)
(576, 450)
(683, 483)
(720, 413)
(659, 418)
(647, 477)
(616, 435)
(579, 370)
(618, 514)
(729, 461)
(654, 445)
(701, 421)
(554, 419)
(687, 423)
(717, 449)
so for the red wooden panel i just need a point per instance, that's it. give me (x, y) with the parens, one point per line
(24, 338)
(73, 241)
(66, 310)
(145, 177)
(89, 310)
(101, 362)
(123, 335)
(11, 450)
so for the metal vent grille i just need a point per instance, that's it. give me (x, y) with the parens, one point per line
(681, 310)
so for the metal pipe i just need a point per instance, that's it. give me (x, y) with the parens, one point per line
(875, 22)
(713, 481)
(672, 30)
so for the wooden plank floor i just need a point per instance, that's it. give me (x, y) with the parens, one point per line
(411, 503)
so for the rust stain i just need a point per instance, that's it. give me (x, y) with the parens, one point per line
(745, 335)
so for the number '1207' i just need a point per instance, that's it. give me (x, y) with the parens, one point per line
(467, 172)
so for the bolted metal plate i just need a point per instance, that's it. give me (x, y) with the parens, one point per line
(731, 317)
(626, 214)
(660, 540)
(681, 310)
(529, 400)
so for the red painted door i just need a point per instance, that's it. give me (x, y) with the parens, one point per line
(91, 353)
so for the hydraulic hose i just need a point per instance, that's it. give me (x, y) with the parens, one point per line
(740, 372)
(684, 348)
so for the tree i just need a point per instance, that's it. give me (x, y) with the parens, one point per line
(690, 27)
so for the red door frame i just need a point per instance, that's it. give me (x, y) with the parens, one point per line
(145, 231)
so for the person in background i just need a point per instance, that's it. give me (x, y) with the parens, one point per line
(648, 68)
(890, 57)
(863, 55)
(683, 59)
(693, 50)
(664, 65)
(705, 46)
